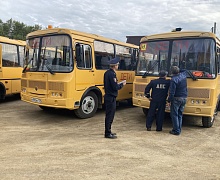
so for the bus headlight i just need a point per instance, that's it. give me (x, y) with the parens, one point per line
(204, 102)
(197, 101)
(56, 94)
(139, 95)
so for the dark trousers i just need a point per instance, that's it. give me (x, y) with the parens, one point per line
(110, 108)
(160, 107)
(176, 113)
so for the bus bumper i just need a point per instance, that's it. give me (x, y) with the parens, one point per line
(49, 102)
(189, 110)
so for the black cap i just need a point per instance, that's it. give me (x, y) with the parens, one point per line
(114, 61)
(163, 73)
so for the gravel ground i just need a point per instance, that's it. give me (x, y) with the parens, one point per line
(56, 145)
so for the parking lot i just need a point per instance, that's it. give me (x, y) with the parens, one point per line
(56, 145)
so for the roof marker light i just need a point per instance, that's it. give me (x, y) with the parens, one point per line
(177, 29)
(49, 26)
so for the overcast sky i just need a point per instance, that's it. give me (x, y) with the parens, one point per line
(115, 18)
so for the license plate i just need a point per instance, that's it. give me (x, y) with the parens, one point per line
(36, 100)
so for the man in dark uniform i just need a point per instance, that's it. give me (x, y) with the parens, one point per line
(111, 87)
(157, 99)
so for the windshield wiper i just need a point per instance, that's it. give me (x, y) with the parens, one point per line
(24, 70)
(191, 75)
(146, 74)
(151, 69)
(49, 69)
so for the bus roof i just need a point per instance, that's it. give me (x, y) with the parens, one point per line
(88, 36)
(179, 34)
(12, 41)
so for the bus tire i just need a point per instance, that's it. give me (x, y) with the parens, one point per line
(88, 106)
(130, 102)
(207, 122)
(2, 91)
(145, 111)
(218, 106)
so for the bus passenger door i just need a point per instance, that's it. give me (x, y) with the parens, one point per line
(84, 69)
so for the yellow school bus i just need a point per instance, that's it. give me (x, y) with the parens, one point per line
(198, 53)
(11, 65)
(65, 69)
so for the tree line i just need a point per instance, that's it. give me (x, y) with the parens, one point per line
(16, 30)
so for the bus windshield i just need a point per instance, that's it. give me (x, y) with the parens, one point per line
(49, 53)
(194, 55)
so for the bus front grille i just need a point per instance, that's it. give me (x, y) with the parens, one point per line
(38, 84)
(24, 83)
(140, 87)
(199, 93)
(194, 93)
(56, 86)
(143, 80)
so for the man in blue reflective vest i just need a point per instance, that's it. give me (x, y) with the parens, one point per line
(111, 87)
(159, 92)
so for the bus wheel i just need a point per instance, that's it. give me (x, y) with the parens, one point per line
(130, 102)
(218, 106)
(88, 107)
(207, 122)
(2, 93)
(145, 111)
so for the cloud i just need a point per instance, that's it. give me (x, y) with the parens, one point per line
(115, 19)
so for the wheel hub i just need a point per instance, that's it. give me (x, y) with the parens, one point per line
(88, 105)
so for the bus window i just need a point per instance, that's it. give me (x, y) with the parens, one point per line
(153, 57)
(84, 58)
(55, 54)
(125, 54)
(21, 55)
(218, 59)
(103, 53)
(194, 55)
(10, 55)
(33, 50)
